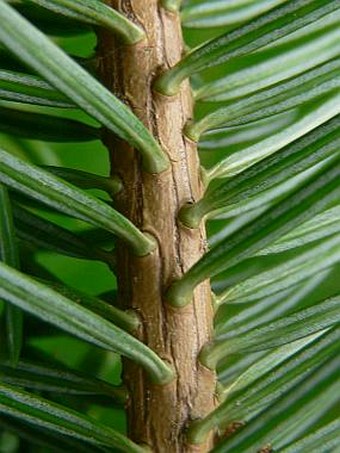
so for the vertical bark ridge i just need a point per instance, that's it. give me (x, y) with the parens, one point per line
(158, 415)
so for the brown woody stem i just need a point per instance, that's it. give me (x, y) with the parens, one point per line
(158, 416)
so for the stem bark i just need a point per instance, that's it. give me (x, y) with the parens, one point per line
(158, 416)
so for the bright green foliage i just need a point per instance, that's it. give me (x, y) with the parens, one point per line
(37, 231)
(171, 5)
(257, 185)
(315, 44)
(45, 378)
(96, 13)
(321, 82)
(9, 254)
(29, 89)
(310, 261)
(86, 180)
(44, 127)
(34, 410)
(327, 436)
(278, 23)
(273, 385)
(307, 402)
(299, 206)
(38, 52)
(63, 196)
(56, 309)
(267, 363)
(265, 77)
(216, 13)
(283, 330)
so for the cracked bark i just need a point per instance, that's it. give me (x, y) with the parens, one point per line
(158, 415)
